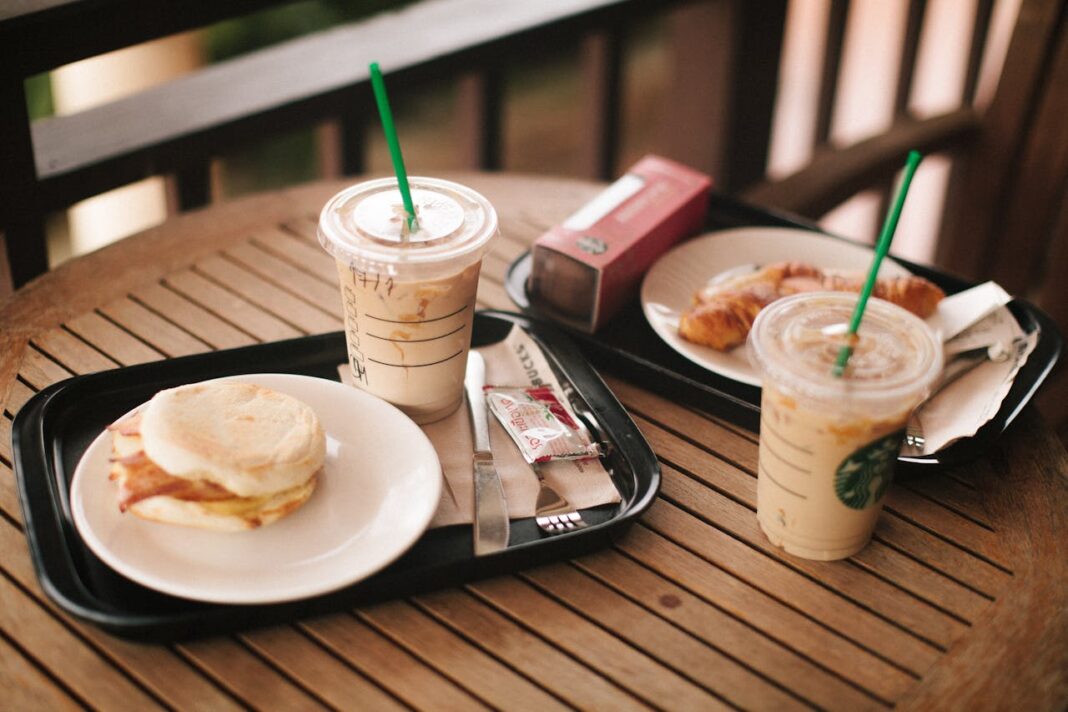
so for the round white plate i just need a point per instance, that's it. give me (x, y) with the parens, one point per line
(668, 287)
(376, 496)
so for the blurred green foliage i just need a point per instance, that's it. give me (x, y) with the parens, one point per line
(233, 37)
(39, 96)
(291, 158)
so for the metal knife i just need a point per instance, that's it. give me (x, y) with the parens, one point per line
(491, 511)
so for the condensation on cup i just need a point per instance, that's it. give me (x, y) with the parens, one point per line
(409, 299)
(828, 445)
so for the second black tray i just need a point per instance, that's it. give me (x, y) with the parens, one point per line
(628, 345)
(55, 427)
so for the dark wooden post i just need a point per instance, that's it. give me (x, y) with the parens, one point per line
(602, 79)
(478, 120)
(21, 218)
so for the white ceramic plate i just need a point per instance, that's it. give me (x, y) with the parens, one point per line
(669, 285)
(376, 496)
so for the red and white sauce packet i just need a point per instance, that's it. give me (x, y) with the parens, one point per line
(540, 424)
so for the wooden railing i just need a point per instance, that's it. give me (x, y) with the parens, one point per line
(177, 128)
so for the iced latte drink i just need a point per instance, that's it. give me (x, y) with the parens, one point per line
(409, 295)
(828, 445)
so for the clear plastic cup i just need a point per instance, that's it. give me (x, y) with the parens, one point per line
(409, 299)
(828, 445)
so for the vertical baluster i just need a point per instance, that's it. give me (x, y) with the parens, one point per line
(759, 31)
(478, 120)
(602, 80)
(693, 128)
(352, 130)
(832, 64)
(910, 46)
(192, 186)
(21, 216)
(973, 221)
(984, 10)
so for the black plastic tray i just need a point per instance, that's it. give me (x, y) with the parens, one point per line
(628, 346)
(55, 427)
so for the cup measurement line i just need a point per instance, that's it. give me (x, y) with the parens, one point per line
(418, 341)
(773, 431)
(793, 466)
(416, 321)
(767, 474)
(415, 365)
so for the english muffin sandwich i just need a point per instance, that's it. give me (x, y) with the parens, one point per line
(221, 455)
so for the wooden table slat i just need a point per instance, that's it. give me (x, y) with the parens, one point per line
(316, 669)
(651, 634)
(156, 667)
(877, 595)
(951, 493)
(27, 688)
(918, 632)
(951, 560)
(117, 343)
(246, 676)
(522, 650)
(948, 524)
(288, 278)
(9, 494)
(819, 686)
(88, 675)
(5, 439)
(886, 679)
(268, 296)
(236, 311)
(19, 394)
(157, 332)
(311, 258)
(480, 674)
(40, 371)
(70, 351)
(401, 673)
(191, 317)
(601, 650)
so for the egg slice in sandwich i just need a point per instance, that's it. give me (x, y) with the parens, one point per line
(221, 455)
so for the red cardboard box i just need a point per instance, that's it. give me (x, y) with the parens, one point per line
(589, 266)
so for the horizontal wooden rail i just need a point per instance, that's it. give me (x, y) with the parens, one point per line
(836, 174)
(294, 84)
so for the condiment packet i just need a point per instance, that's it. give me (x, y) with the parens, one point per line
(540, 423)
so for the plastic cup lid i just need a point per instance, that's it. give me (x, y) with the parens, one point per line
(366, 223)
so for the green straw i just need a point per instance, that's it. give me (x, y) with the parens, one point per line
(386, 115)
(880, 252)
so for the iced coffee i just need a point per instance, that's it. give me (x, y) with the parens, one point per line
(408, 293)
(828, 444)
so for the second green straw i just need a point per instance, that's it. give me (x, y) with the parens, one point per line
(881, 249)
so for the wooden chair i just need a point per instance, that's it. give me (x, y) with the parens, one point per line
(1006, 213)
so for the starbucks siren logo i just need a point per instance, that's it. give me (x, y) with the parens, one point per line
(592, 245)
(862, 478)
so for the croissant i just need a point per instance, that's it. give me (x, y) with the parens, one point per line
(722, 314)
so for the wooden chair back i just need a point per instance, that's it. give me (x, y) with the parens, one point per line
(1006, 213)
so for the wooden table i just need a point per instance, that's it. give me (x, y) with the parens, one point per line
(961, 600)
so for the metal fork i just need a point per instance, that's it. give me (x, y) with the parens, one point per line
(553, 513)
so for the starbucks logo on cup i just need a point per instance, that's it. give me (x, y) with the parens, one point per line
(863, 477)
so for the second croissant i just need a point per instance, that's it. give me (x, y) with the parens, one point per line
(721, 315)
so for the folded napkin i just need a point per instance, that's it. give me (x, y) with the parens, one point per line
(970, 319)
(515, 361)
